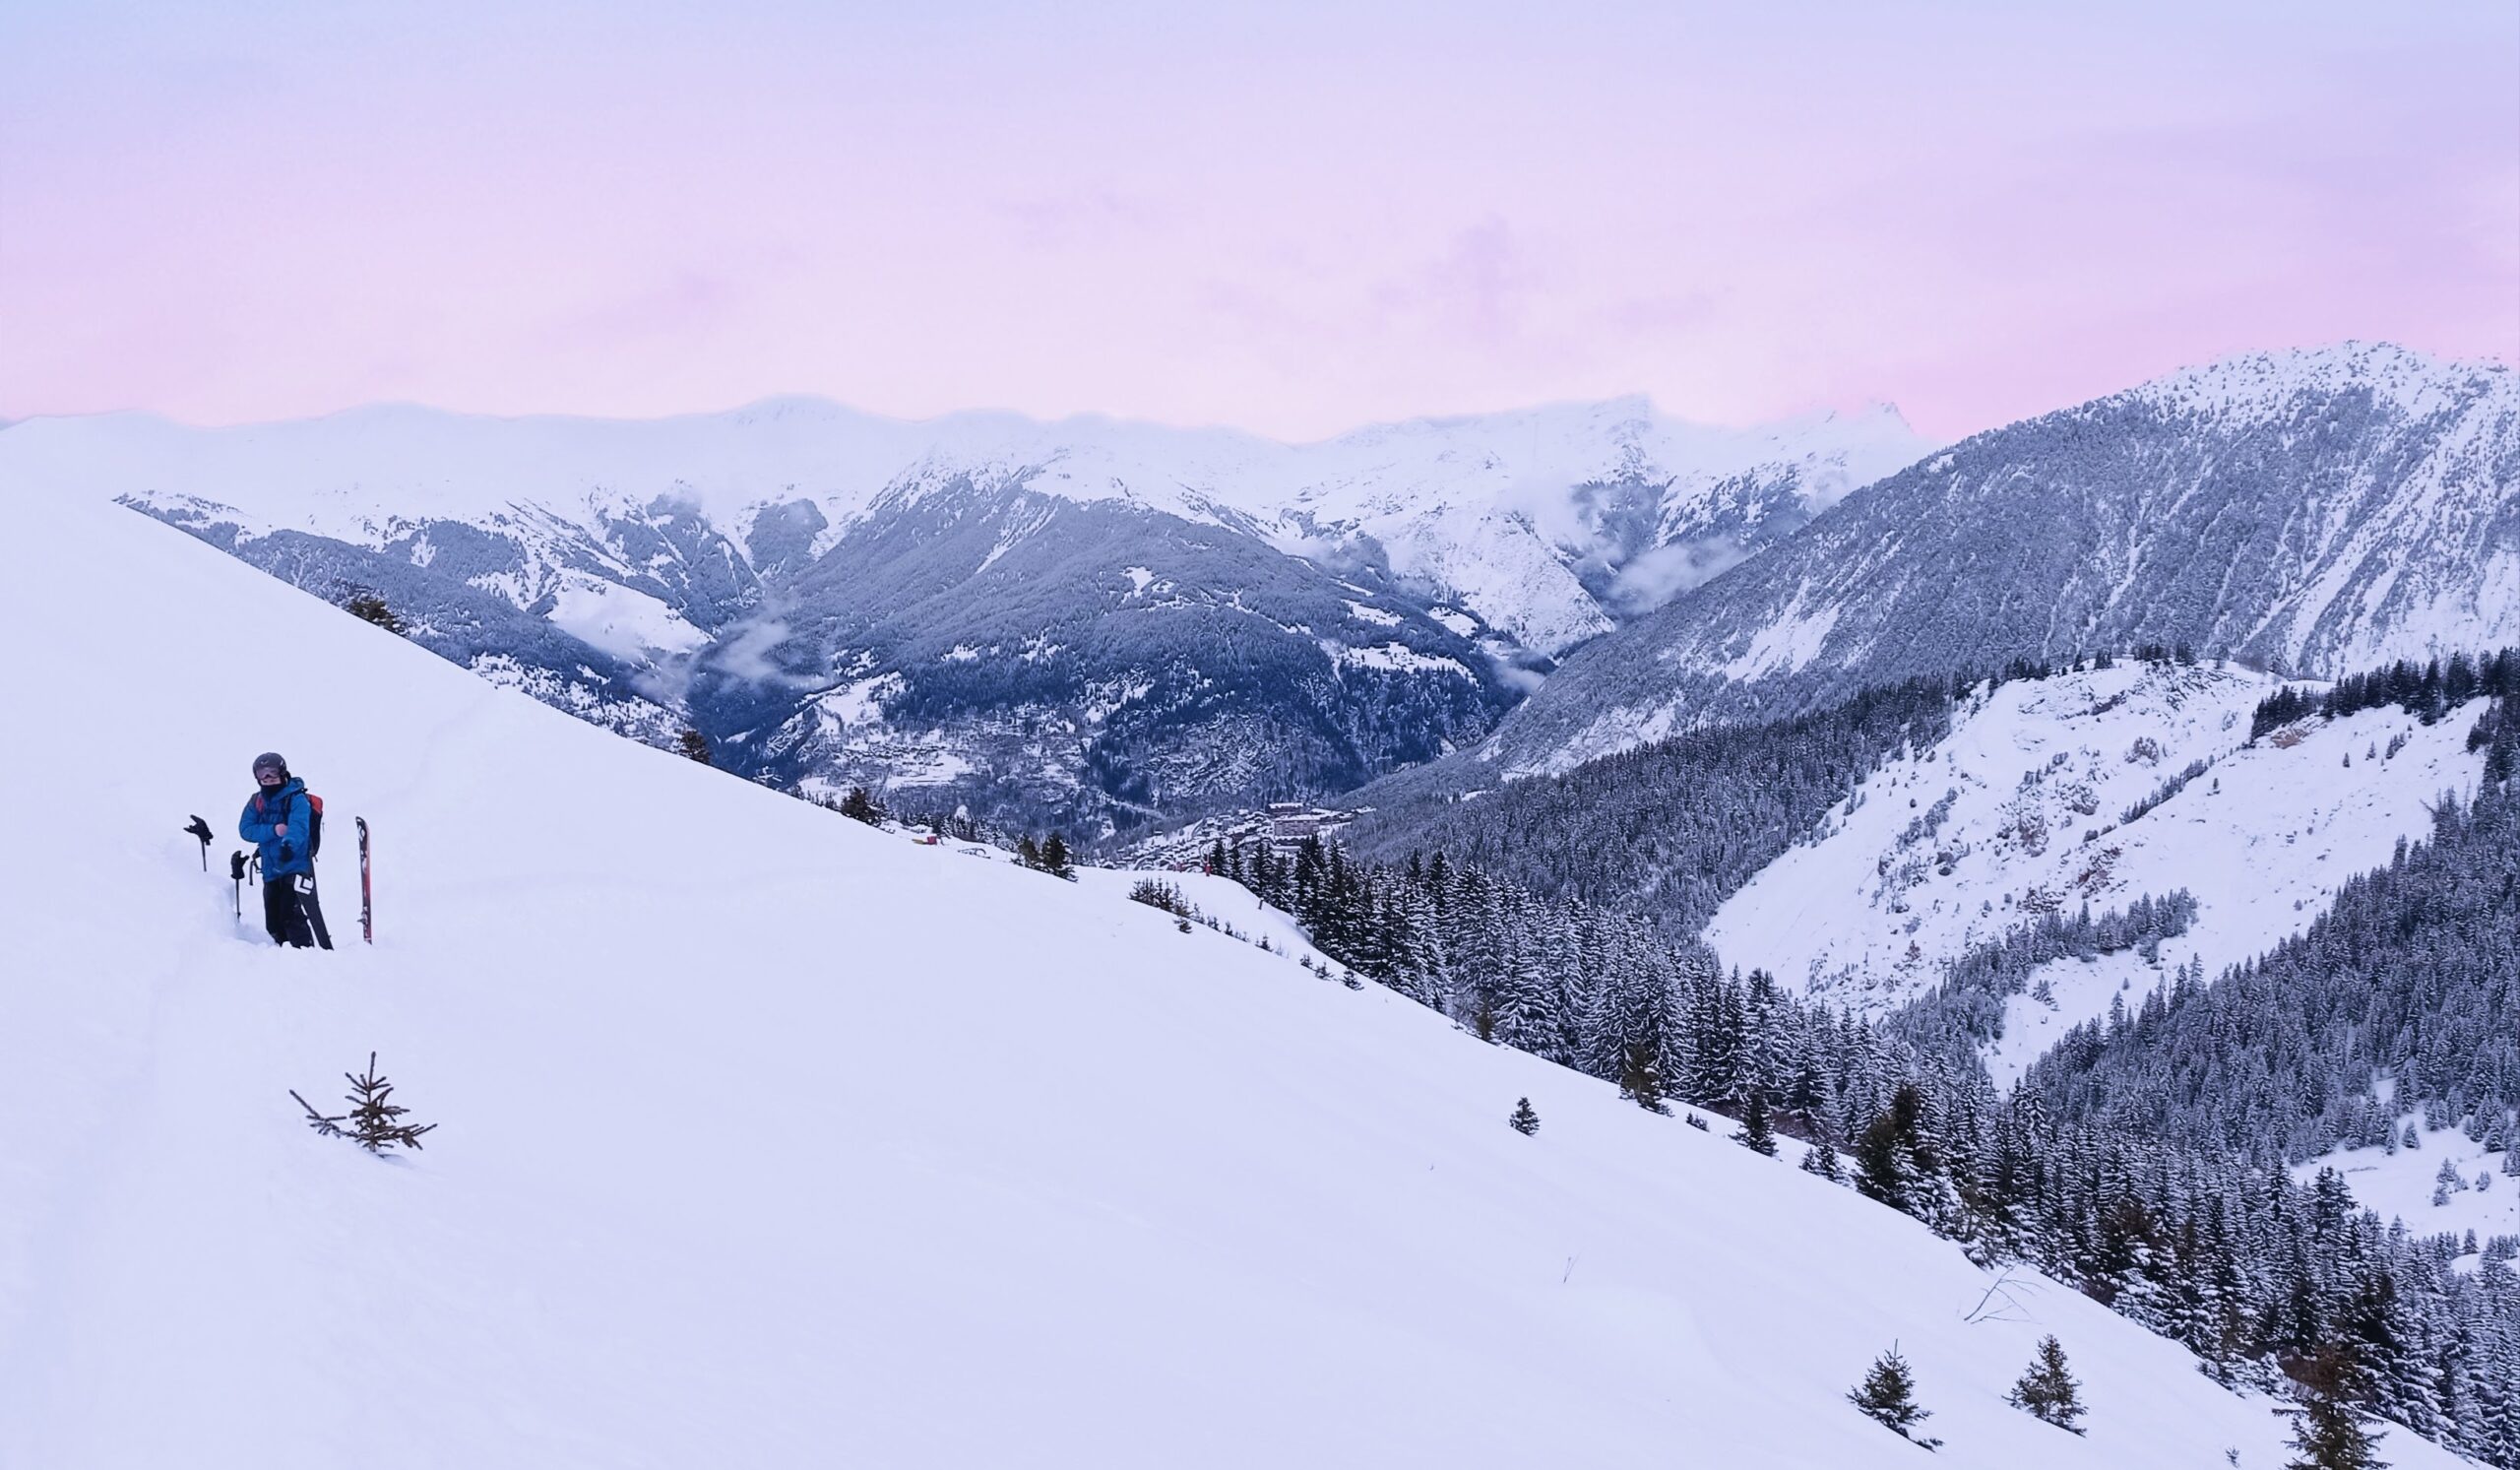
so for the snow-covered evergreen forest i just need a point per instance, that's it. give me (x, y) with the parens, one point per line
(2145, 1160)
(1669, 829)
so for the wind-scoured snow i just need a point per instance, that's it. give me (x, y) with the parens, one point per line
(2019, 812)
(769, 1139)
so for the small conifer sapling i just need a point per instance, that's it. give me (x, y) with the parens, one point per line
(859, 806)
(2047, 1391)
(2327, 1427)
(1822, 1160)
(1756, 1133)
(1524, 1120)
(1887, 1395)
(374, 1121)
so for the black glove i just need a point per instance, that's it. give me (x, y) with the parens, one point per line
(287, 855)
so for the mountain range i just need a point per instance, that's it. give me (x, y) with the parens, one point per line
(1105, 626)
(1087, 622)
(2308, 512)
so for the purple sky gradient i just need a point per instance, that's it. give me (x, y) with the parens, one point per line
(1293, 217)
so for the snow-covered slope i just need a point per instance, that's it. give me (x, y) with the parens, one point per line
(2402, 1185)
(767, 1139)
(2020, 811)
(2317, 511)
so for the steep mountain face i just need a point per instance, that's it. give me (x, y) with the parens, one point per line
(2310, 512)
(1088, 623)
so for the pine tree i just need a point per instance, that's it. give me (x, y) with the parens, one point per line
(1640, 1080)
(1876, 1163)
(2046, 1389)
(1028, 852)
(369, 607)
(1054, 856)
(693, 745)
(859, 806)
(1755, 1133)
(374, 1121)
(2327, 1429)
(1524, 1120)
(1888, 1396)
(1822, 1160)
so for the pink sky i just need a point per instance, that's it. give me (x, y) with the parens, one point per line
(1290, 218)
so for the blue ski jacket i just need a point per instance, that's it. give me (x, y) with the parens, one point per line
(268, 812)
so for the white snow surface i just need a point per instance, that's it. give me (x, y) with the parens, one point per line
(1488, 510)
(2039, 773)
(621, 621)
(767, 1139)
(2399, 1185)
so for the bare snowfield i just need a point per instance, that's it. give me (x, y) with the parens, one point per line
(767, 1139)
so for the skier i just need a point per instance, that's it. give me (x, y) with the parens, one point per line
(281, 819)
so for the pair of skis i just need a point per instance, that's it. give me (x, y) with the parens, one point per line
(199, 831)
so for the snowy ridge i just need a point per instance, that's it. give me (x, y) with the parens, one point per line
(2316, 511)
(2020, 811)
(1546, 523)
(767, 1139)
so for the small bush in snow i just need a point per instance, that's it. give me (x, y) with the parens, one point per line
(1523, 1120)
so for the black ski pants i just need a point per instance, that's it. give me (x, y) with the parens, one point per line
(292, 914)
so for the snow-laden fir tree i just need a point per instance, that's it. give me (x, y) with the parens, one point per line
(2047, 1391)
(859, 806)
(1524, 1120)
(1888, 1396)
(2328, 1431)
(1755, 1133)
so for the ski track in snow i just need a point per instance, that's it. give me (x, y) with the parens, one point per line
(767, 1139)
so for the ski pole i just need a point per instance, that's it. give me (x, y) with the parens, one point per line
(200, 831)
(236, 876)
